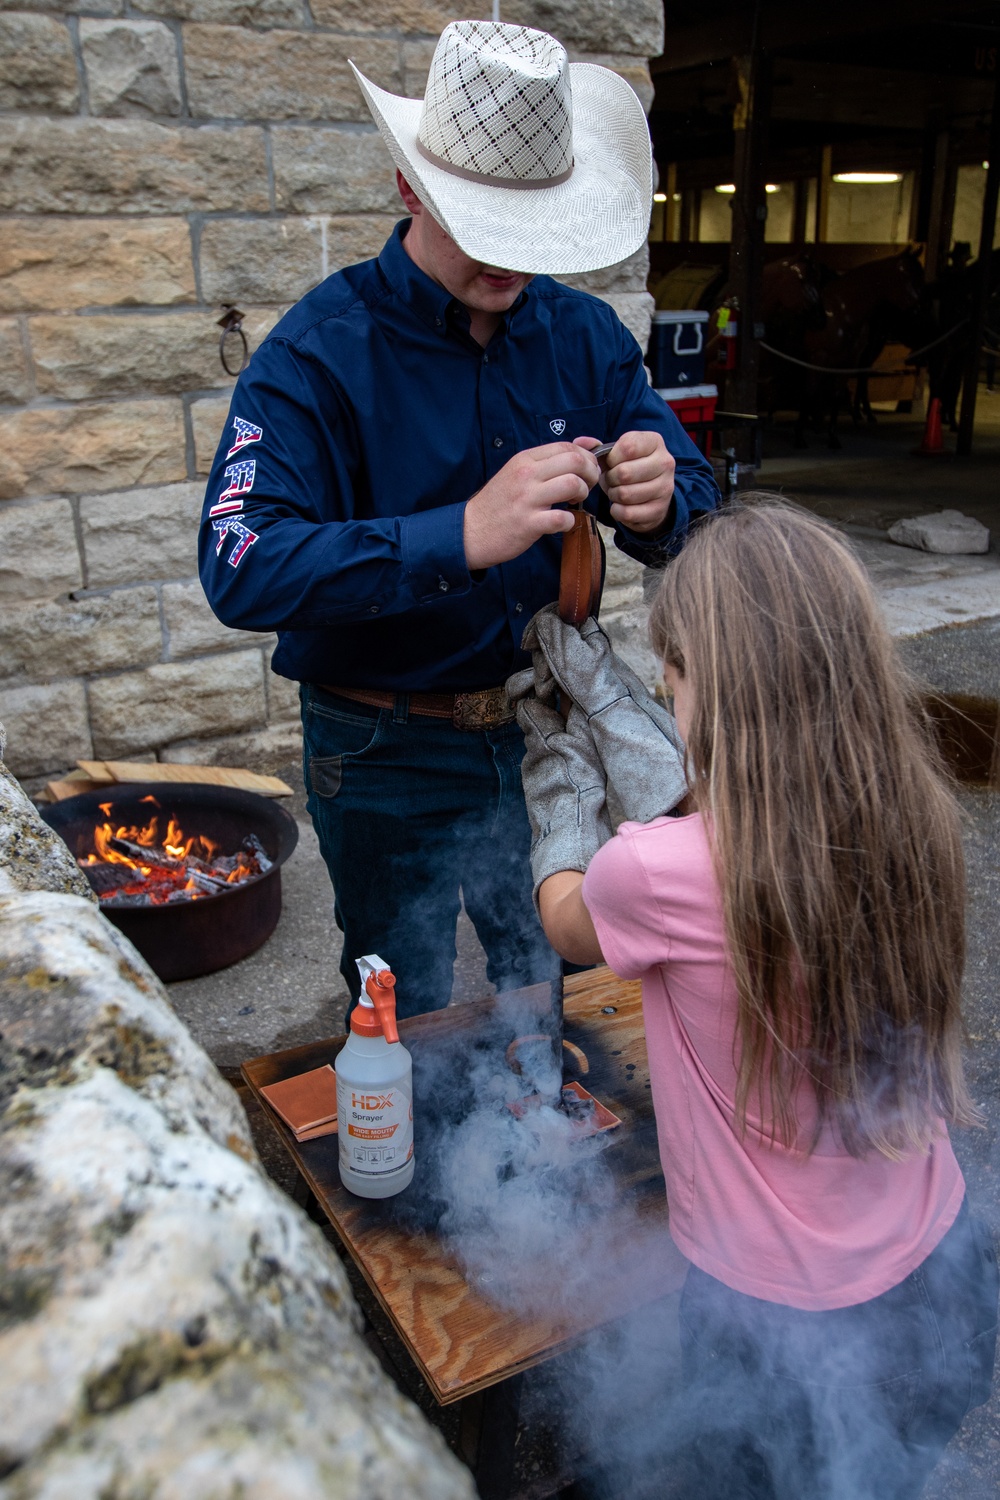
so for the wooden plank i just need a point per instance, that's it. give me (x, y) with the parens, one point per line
(461, 1342)
(72, 786)
(234, 776)
(96, 770)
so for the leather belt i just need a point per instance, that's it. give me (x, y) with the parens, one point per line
(486, 708)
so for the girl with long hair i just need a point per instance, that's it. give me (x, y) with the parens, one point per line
(798, 926)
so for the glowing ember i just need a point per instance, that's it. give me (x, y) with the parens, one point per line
(133, 866)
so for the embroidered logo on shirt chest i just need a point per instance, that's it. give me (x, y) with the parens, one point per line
(558, 425)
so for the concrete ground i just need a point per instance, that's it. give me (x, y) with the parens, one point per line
(946, 612)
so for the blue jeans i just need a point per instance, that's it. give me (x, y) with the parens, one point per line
(858, 1402)
(409, 811)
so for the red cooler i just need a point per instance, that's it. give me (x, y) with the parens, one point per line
(693, 403)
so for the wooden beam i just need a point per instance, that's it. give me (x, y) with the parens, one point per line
(714, 37)
(671, 216)
(823, 195)
(938, 224)
(970, 383)
(800, 212)
(751, 115)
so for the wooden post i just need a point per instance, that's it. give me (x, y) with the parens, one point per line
(671, 217)
(751, 118)
(937, 230)
(800, 212)
(823, 195)
(981, 295)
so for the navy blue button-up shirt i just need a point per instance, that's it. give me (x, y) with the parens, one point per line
(360, 428)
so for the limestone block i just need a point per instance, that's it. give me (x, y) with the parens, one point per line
(282, 75)
(176, 1324)
(15, 379)
(46, 727)
(93, 7)
(430, 16)
(259, 750)
(74, 449)
(634, 26)
(282, 698)
(232, 12)
(98, 633)
(78, 358)
(177, 700)
(192, 628)
(38, 552)
(129, 166)
(208, 417)
(147, 533)
(354, 237)
(625, 276)
(634, 70)
(261, 260)
(32, 857)
(944, 531)
(60, 263)
(636, 311)
(37, 68)
(131, 68)
(416, 65)
(332, 171)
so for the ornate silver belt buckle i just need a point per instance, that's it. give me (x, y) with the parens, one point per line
(486, 709)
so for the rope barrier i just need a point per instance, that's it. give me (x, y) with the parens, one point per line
(864, 369)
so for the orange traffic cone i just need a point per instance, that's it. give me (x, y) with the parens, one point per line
(933, 442)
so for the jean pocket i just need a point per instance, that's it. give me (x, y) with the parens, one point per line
(332, 742)
(981, 1353)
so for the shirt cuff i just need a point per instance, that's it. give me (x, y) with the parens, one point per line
(663, 543)
(432, 544)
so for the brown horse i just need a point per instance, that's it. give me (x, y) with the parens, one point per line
(864, 309)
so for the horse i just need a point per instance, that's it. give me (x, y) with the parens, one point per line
(864, 309)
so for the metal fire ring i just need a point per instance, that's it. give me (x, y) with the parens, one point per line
(231, 324)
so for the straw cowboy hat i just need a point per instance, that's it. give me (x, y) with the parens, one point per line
(528, 161)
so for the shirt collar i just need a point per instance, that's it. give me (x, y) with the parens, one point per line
(429, 301)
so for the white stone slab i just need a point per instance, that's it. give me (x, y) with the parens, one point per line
(944, 531)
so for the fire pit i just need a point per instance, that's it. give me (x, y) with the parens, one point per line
(190, 874)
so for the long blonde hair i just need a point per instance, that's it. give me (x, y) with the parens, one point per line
(835, 837)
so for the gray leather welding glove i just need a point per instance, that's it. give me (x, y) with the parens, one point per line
(564, 785)
(635, 737)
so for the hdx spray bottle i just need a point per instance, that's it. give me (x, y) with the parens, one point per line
(375, 1091)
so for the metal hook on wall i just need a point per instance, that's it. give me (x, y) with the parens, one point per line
(231, 323)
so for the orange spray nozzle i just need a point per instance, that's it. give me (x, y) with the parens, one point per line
(381, 990)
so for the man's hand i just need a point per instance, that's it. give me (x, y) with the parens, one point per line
(638, 480)
(515, 508)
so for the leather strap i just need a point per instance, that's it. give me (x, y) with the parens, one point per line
(580, 572)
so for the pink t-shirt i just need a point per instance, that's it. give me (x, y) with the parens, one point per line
(812, 1231)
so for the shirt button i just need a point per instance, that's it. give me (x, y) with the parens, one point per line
(486, 359)
(437, 322)
(518, 608)
(373, 609)
(498, 442)
(443, 585)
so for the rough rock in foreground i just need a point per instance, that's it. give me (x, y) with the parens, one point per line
(32, 857)
(172, 1327)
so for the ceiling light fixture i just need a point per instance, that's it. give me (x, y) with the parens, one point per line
(867, 177)
(725, 187)
(659, 197)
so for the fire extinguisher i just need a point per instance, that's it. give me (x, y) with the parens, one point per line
(728, 326)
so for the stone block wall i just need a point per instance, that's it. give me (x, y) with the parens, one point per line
(158, 159)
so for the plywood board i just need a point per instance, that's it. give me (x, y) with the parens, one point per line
(462, 1342)
(234, 776)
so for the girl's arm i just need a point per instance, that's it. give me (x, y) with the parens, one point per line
(566, 920)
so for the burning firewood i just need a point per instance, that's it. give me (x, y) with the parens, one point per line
(135, 867)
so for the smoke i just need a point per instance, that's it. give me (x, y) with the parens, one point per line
(671, 1397)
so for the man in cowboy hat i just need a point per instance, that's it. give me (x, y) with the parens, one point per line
(387, 493)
